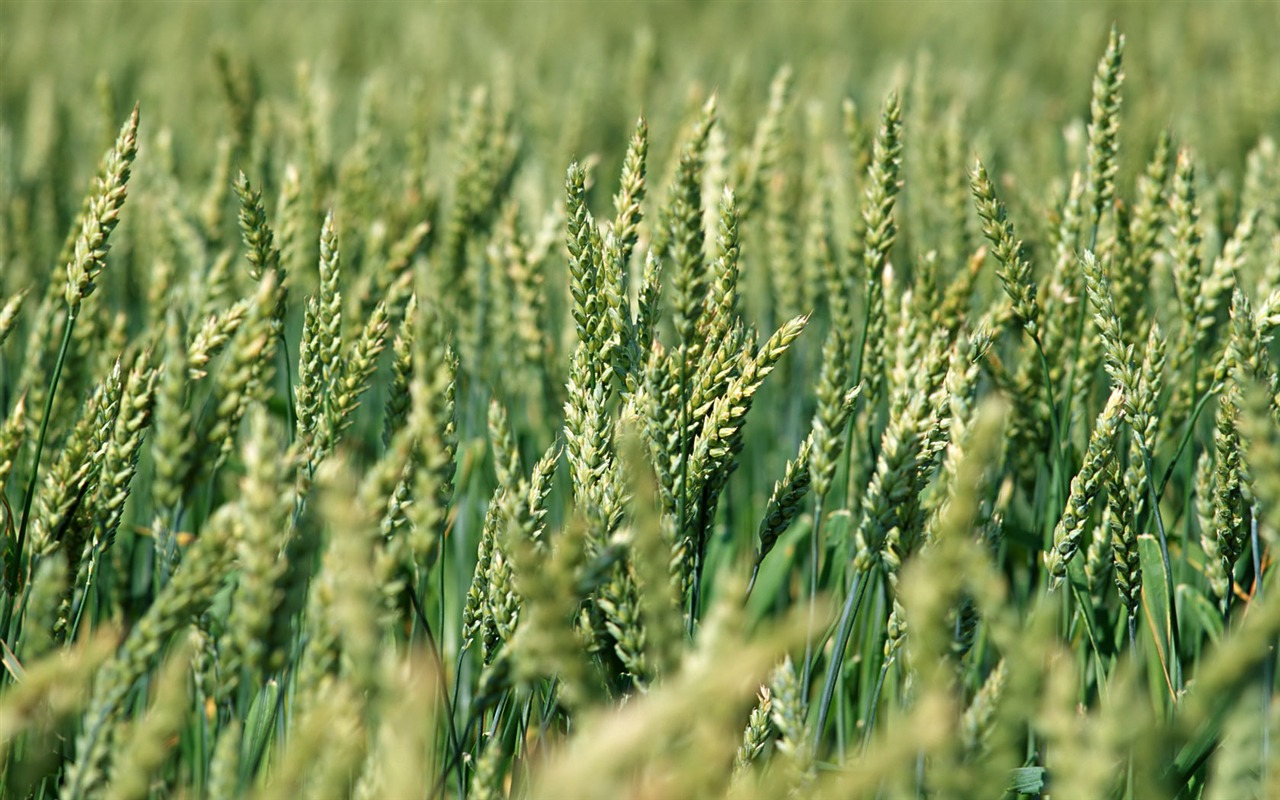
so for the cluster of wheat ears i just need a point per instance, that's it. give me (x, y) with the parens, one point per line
(375, 478)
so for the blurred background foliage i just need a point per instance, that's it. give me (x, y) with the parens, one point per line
(577, 73)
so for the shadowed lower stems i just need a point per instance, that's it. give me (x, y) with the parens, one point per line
(852, 604)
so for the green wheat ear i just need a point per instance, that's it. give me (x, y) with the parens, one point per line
(1085, 487)
(9, 314)
(1104, 126)
(1015, 274)
(102, 215)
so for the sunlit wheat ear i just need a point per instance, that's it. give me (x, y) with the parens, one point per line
(632, 190)
(265, 511)
(681, 239)
(1015, 273)
(75, 470)
(714, 452)
(718, 330)
(1229, 505)
(1219, 281)
(399, 396)
(319, 353)
(903, 464)
(780, 222)
(120, 462)
(434, 422)
(12, 435)
(979, 716)
(1119, 357)
(786, 501)
(244, 377)
(1098, 562)
(835, 405)
(102, 215)
(763, 156)
(173, 443)
(493, 604)
(620, 350)
(384, 491)
(477, 622)
(1187, 265)
(1085, 487)
(263, 255)
(291, 219)
(787, 714)
(1127, 564)
(879, 231)
(213, 336)
(115, 451)
(9, 314)
(360, 363)
(756, 735)
(583, 262)
(1145, 225)
(1104, 127)
(1144, 419)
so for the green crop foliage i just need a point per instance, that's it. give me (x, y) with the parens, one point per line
(607, 400)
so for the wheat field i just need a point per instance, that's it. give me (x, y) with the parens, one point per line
(672, 400)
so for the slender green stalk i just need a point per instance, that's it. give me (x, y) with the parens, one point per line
(13, 578)
(1175, 646)
(1188, 433)
(853, 601)
(814, 566)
